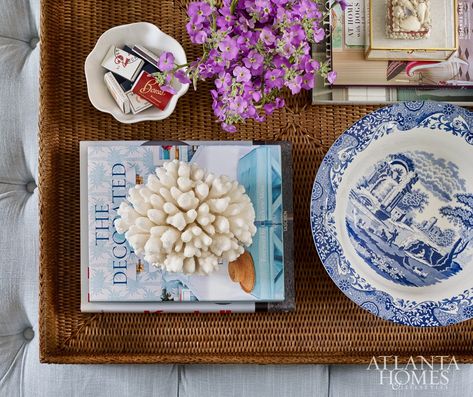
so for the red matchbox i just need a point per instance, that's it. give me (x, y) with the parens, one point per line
(147, 88)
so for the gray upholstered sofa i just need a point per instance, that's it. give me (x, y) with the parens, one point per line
(21, 374)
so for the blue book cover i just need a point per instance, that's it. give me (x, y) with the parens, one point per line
(117, 274)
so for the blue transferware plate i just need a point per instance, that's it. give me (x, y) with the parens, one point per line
(392, 213)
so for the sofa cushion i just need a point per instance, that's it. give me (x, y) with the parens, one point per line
(19, 59)
(253, 380)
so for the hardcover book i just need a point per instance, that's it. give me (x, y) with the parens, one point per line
(114, 278)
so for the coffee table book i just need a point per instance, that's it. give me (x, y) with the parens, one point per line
(109, 169)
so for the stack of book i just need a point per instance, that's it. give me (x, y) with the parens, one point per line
(115, 279)
(383, 81)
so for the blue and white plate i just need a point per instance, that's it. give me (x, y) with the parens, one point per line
(392, 213)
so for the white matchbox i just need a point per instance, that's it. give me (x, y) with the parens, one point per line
(122, 63)
(117, 92)
(137, 104)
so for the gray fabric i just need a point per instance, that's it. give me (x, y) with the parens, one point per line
(97, 380)
(19, 19)
(253, 380)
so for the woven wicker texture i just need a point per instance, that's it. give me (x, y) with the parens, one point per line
(326, 328)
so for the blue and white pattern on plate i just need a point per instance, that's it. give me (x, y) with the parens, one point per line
(392, 213)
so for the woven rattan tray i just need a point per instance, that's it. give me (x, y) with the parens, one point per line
(326, 328)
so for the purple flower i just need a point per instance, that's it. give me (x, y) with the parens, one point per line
(226, 19)
(267, 36)
(269, 108)
(168, 88)
(206, 69)
(217, 105)
(256, 95)
(242, 74)
(285, 16)
(200, 37)
(286, 50)
(246, 40)
(331, 76)
(343, 4)
(216, 60)
(276, 104)
(166, 61)
(279, 102)
(280, 61)
(311, 65)
(228, 127)
(308, 9)
(199, 8)
(263, 8)
(245, 25)
(274, 78)
(250, 111)
(295, 85)
(196, 32)
(238, 104)
(197, 20)
(253, 60)
(259, 117)
(229, 48)
(223, 81)
(308, 81)
(319, 34)
(295, 35)
(182, 77)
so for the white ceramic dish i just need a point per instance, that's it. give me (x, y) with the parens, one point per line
(141, 33)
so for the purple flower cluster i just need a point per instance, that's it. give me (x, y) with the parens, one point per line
(254, 49)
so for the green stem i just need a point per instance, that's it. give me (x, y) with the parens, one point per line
(214, 22)
(181, 66)
(233, 6)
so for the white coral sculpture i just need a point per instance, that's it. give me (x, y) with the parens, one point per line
(184, 219)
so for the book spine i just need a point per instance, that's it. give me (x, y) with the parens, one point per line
(289, 303)
(327, 24)
(170, 307)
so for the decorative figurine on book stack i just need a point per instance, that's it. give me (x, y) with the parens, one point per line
(185, 219)
(408, 19)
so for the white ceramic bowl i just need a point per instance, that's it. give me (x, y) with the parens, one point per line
(141, 33)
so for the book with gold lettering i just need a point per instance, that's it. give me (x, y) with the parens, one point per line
(114, 278)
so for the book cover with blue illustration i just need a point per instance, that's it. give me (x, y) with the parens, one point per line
(113, 274)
